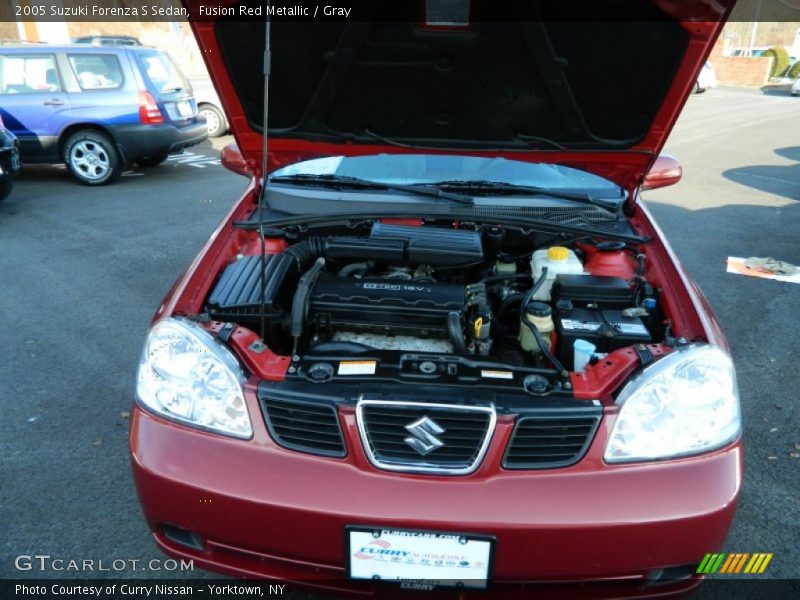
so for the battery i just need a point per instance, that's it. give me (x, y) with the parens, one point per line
(608, 330)
(593, 289)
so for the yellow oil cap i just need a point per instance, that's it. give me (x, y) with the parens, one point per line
(478, 325)
(557, 253)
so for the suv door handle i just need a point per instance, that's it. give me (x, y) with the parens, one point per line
(54, 102)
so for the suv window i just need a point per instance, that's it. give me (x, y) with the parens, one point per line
(163, 73)
(27, 74)
(108, 41)
(96, 71)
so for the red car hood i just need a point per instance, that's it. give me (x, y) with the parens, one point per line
(596, 95)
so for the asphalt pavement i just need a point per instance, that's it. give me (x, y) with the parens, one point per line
(83, 270)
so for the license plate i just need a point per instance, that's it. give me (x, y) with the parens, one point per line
(419, 559)
(185, 109)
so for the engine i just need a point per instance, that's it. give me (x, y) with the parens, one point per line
(437, 290)
(385, 304)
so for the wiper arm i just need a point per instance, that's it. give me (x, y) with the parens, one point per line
(499, 187)
(341, 182)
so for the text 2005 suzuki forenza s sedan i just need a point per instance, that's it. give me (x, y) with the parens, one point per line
(472, 360)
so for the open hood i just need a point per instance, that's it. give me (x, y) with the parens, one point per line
(600, 95)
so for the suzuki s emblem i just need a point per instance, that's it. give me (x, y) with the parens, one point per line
(423, 435)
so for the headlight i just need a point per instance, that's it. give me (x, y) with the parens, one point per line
(686, 403)
(186, 375)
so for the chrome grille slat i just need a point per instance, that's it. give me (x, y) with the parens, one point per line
(383, 429)
(404, 446)
(465, 436)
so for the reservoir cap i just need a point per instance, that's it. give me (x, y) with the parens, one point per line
(557, 253)
(539, 309)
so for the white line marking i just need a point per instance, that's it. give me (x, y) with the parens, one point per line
(193, 159)
(753, 175)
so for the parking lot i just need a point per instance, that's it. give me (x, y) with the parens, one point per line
(83, 269)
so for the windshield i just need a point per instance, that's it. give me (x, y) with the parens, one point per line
(408, 169)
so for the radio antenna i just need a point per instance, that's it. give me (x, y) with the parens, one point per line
(262, 193)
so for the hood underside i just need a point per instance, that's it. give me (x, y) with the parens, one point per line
(601, 96)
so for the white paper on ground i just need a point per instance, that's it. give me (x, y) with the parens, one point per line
(736, 265)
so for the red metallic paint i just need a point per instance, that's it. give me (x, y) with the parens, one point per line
(618, 263)
(666, 171)
(588, 521)
(688, 310)
(259, 360)
(232, 159)
(265, 511)
(409, 222)
(622, 510)
(249, 564)
(601, 379)
(583, 522)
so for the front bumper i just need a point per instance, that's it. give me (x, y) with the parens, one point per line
(136, 141)
(264, 511)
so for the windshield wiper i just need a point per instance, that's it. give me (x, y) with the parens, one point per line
(482, 187)
(343, 182)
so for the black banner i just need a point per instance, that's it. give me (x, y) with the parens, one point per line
(447, 13)
(732, 588)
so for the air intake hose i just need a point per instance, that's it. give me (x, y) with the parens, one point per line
(300, 303)
(306, 252)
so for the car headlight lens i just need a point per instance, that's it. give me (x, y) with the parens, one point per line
(186, 375)
(686, 403)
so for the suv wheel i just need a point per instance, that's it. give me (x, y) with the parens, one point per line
(92, 158)
(151, 161)
(215, 120)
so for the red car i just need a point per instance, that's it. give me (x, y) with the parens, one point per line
(450, 349)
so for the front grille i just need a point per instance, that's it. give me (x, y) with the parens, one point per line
(548, 442)
(452, 441)
(304, 426)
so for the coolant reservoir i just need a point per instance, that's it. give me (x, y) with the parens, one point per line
(558, 260)
(540, 316)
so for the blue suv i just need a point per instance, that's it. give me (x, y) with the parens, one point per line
(97, 109)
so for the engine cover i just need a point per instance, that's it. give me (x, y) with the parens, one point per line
(385, 305)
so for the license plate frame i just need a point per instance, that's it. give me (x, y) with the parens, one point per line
(185, 109)
(483, 546)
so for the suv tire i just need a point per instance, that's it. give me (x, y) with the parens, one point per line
(92, 158)
(215, 120)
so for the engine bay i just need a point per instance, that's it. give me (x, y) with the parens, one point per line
(471, 302)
